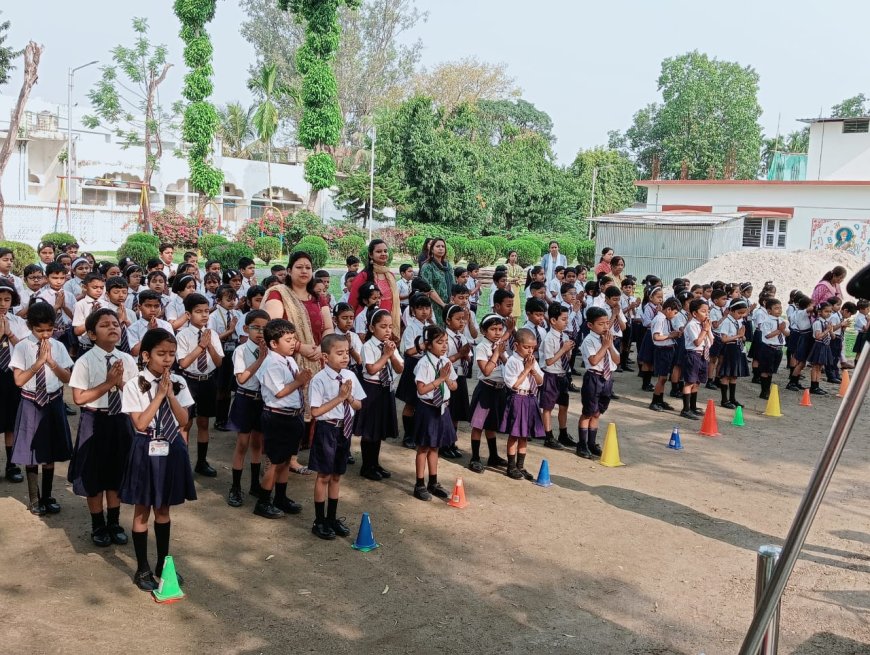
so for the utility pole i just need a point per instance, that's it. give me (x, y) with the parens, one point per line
(69, 181)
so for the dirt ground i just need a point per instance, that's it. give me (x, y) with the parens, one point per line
(654, 557)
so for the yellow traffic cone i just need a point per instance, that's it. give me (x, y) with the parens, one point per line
(169, 590)
(773, 402)
(610, 454)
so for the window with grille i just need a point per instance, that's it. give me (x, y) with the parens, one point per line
(752, 232)
(764, 232)
(856, 125)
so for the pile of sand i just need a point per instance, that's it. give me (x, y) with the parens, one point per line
(796, 269)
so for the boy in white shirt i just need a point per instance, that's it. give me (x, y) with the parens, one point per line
(199, 356)
(336, 395)
(601, 360)
(555, 357)
(94, 288)
(149, 309)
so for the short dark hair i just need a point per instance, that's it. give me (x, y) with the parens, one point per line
(459, 270)
(566, 287)
(148, 294)
(254, 314)
(166, 246)
(472, 266)
(535, 305)
(351, 260)
(6, 287)
(672, 303)
(278, 268)
(154, 263)
(534, 286)
(501, 295)
(187, 255)
(697, 303)
(90, 277)
(403, 268)
(244, 262)
(40, 313)
(94, 318)
(458, 289)
(330, 341)
(421, 285)
(555, 310)
(224, 290)
(594, 313)
(115, 283)
(321, 273)
(277, 328)
(54, 267)
(498, 275)
(193, 301)
(418, 300)
(612, 292)
(256, 290)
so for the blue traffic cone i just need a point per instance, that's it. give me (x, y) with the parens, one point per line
(544, 475)
(365, 540)
(674, 443)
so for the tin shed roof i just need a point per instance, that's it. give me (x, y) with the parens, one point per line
(673, 218)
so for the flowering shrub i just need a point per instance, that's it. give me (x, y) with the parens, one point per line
(296, 227)
(182, 231)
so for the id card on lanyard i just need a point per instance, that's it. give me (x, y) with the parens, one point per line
(157, 446)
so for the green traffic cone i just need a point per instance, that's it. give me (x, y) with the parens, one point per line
(169, 591)
(738, 417)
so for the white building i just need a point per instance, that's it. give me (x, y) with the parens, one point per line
(106, 186)
(830, 208)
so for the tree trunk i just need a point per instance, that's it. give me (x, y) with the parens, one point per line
(32, 53)
(269, 168)
(151, 156)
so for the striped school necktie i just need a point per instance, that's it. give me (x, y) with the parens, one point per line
(5, 353)
(124, 342)
(201, 358)
(463, 362)
(384, 376)
(566, 358)
(438, 392)
(41, 387)
(293, 375)
(134, 306)
(114, 394)
(347, 425)
(167, 428)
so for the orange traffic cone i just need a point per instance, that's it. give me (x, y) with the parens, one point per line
(844, 385)
(709, 426)
(805, 401)
(457, 498)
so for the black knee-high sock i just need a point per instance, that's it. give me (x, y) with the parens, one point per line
(492, 445)
(331, 508)
(732, 392)
(593, 435)
(8, 456)
(255, 475)
(32, 482)
(376, 453)
(97, 520)
(237, 478)
(694, 401)
(475, 449)
(365, 448)
(724, 390)
(521, 460)
(687, 402)
(319, 512)
(408, 425)
(646, 376)
(113, 515)
(161, 536)
(280, 491)
(201, 451)
(140, 545)
(47, 481)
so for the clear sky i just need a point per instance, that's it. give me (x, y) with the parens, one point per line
(589, 65)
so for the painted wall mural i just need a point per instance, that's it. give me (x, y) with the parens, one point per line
(851, 236)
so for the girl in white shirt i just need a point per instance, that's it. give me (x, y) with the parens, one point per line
(12, 330)
(421, 314)
(522, 420)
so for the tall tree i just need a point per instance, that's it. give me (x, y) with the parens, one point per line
(7, 54)
(851, 107)
(321, 121)
(467, 80)
(266, 87)
(236, 130)
(707, 122)
(614, 181)
(32, 54)
(126, 101)
(200, 117)
(506, 117)
(375, 59)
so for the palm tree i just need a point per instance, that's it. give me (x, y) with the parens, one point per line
(266, 85)
(236, 129)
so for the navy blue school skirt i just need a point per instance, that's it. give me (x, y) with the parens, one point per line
(679, 353)
(407, 389)
(460, 404)
(157, 481)
(42, 434)
(733, 362)
(522, 418)
(101, 452)
(246, 412)
(755, 345)
(11, 395)
(488, 404)
(860, 340)
(820, 354)
(646, 351)
(800, 342)
(376, 420)
(638, 332)
(717, 347)
(432, 427)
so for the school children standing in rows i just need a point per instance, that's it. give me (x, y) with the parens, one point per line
(522, 418)
(13, 329)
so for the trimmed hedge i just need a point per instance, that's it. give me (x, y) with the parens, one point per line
(480, 251)
(350, 245)
(229, 254)
(139, 251)
(501, 245)
(22, 255)
(316, 247)
(413, 245)
(208, 242)
(144, 237)
(267, 248)
(458, 244)
(528, 251)
(567, 247)
(58, 238)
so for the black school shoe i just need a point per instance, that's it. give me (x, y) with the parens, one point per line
(339, 528)
(385, 474)
(437, 490)
(648, 387)
(526, 475)
(287, 505)
(496, 462)
(552, 443)
(456, 452)
(235, 498)
(583, 451)
(566, 440)
(595, 449)
(446, 452)
(421, 493)
(145, 580)
(221, 427)
(204, 468)
(37, 508)
(687, 413)
(711, 385)
(728, 405)
(101, 537)
(267, 510)
(409, 443)
(371, 473)
(818, 391)
(323, 531)
(117, 534)
(51, 506)
(13, 474)
(657, 407)
(514, 473)
(477, 466)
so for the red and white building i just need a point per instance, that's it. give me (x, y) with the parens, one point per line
(829, 209)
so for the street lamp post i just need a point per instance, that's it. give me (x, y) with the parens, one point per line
(69, 181)
(372, 180)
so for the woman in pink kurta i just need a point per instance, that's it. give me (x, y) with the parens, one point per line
(829, 285)
(376, 270)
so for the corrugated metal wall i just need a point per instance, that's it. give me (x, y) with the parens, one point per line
(668, 251)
